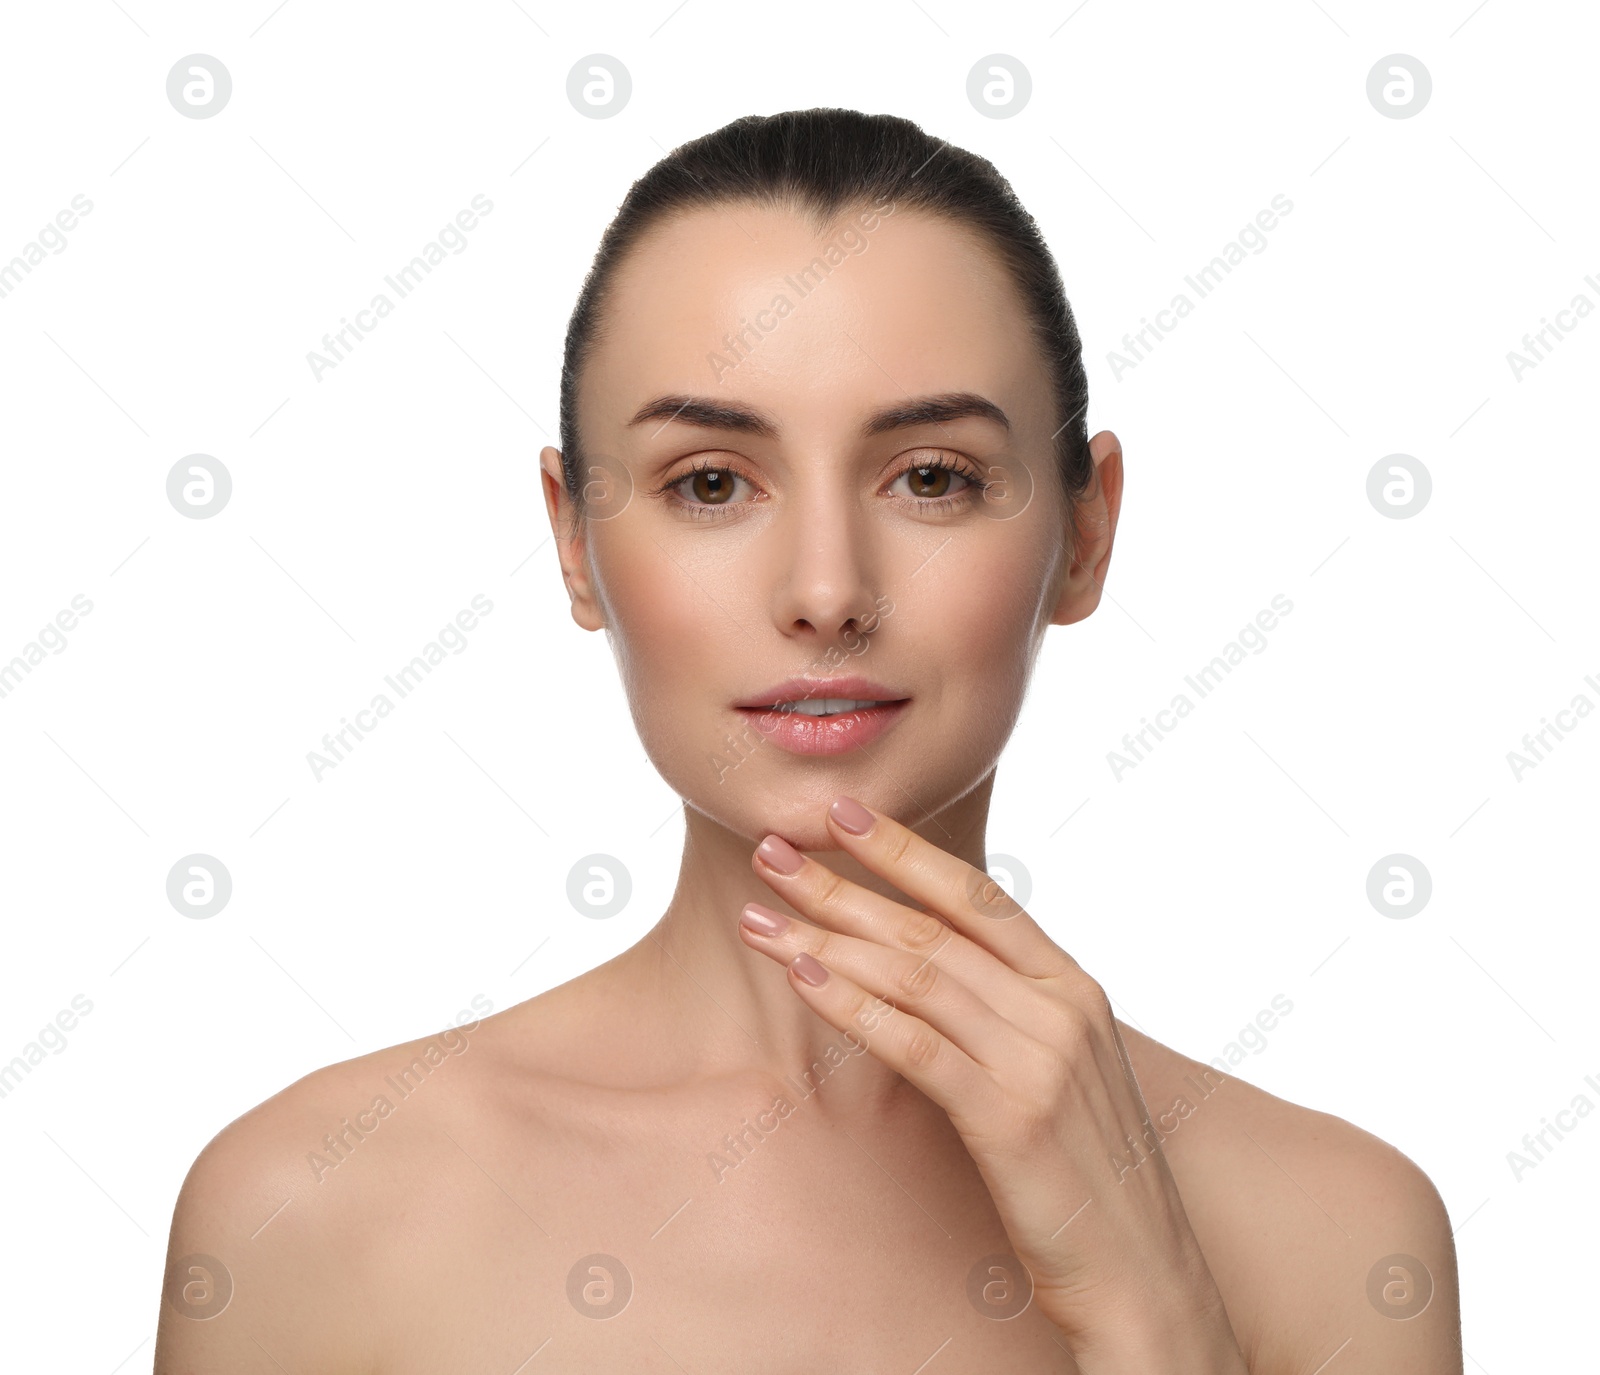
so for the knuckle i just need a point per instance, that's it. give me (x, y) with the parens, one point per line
(1085, 995)
(924, 931)
(830, 890)
(896, 844)
(1033, 1124)
(1097, 1003)
(916, 982)
(1074, 1032)
(988, 898)
(922, 1046)
(826, 950)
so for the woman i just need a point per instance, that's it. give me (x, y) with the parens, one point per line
(824, 482)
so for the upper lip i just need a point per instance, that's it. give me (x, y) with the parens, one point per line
(810, 689)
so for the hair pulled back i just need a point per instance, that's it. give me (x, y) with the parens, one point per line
(821, 162)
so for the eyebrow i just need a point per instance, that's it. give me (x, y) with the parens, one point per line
(711, 414)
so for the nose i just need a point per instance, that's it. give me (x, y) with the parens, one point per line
(823, 569)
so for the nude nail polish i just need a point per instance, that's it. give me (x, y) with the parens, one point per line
(780, 855)
(763, 920)
(808, 970)
(851, 815)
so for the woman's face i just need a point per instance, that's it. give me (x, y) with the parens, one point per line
(824, 383)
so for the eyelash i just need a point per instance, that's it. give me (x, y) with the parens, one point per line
(708, 511)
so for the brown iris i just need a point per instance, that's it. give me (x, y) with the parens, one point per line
(711, 485)
(934, 481)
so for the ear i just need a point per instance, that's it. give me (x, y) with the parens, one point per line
(572, 545)
(1097, 527)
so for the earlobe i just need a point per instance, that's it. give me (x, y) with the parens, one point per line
(580, 592)
(1096, 527)
(571, 544)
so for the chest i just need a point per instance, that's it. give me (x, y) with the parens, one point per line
(798, 1249)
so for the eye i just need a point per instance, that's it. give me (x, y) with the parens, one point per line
(930, 483)
(705, 490)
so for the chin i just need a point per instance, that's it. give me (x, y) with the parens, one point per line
(771, 792)
(798, 814)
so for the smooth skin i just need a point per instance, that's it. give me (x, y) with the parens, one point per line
(764, 1174)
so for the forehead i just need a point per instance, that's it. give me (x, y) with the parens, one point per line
(756, 303)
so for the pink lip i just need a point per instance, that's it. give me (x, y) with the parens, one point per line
(801, 689)
(801, 734)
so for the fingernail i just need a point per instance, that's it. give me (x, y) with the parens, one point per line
(851, 815)
(763, 920)
(780, 855)
(808, 970)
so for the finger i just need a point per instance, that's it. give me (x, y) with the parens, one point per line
(973, 902)
(835, 902)
(901, 978)
(817, 892)
(907, 1044)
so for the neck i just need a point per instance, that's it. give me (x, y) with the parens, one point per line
(729, 1009)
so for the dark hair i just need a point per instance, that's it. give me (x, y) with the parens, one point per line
(820, 162)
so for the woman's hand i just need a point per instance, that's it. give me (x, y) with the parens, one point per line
(1003, 1029)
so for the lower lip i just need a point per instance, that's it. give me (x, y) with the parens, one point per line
(801, 734)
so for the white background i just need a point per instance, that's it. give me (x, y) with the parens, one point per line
(369, 507)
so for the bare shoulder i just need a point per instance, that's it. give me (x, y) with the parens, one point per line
(1323, 1238)
(285, 1228)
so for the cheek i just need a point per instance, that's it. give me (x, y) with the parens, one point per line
(672, 642)
(979, 629)
(988, 604)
